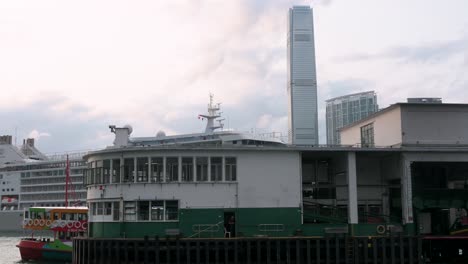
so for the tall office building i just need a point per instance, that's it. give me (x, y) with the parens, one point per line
(348, 109)
(302, 79)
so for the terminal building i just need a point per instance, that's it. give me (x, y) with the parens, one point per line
(410, 181)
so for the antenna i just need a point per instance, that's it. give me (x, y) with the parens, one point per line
(16, 135)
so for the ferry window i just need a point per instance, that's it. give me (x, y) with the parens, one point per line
(106, 171)
(187, 169)
(129, 167)
(71, 217)
(99, 171)
(56, 216)
(157, 210)
(47, 215)
(143, 210)
(142, 169)
(172, 169)
(202, 168)
(231, 169)
(116, 211)
(40, 215)
(129, 211)
(116, 170)
(172, 210)
(216, 168)
(156, 169)
(107, 208)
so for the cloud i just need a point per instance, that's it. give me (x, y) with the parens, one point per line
(434, 52)
(37, 135)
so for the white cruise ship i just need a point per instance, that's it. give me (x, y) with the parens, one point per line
(30, 178)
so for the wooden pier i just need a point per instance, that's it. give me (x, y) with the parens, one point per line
(288, 250)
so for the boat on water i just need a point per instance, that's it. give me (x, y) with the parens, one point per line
(65, 223)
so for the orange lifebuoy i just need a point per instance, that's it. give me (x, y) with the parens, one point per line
(36, 222)
(48, 222)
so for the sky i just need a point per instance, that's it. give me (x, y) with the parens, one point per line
(69, 69)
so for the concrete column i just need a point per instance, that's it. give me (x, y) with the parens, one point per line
(352, 189)
(135, 172)
(406, 193)
(179, 169)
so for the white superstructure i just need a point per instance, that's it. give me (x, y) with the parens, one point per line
(302, 78)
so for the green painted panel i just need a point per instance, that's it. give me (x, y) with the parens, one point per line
(268, 221)
(209, 223)
(130, 229)
(202, 222)
(319, 229)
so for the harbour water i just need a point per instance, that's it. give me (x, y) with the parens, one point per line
(9, 253)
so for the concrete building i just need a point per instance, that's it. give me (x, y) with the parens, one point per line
(432, 140)
(302, 79)
(408, 124)
(347, 109)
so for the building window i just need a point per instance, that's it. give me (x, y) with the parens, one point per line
(99, 171)
(157, 210)
(142, 169)
(202, 168)
(172, 169)
(156, 169)
(231, 169)
(143, 210)
(172, 210)
(107, 208)
(100, 209)
(129, 168)
(129, 211)
(116, 170)
(116, 211)
(187, 169)
(106, 171)
(367, 135)
(216, 168)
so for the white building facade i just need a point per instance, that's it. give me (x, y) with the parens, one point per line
(302, 78)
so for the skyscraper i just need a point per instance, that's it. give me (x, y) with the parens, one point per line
(344, 110)
(302, 79)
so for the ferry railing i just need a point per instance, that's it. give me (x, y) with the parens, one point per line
(205, 228)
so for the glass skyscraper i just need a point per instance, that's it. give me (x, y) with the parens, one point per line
(302, 79)
(347, 109)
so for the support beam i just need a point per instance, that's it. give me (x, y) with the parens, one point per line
(352, 189)
(406, 193)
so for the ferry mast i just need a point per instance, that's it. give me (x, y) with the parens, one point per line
(212, 115)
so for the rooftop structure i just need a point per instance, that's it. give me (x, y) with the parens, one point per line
(405, 124)
(425, 100)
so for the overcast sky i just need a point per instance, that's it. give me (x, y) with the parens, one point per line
(68, 69)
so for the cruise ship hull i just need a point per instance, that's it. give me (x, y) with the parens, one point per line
(11, 220)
